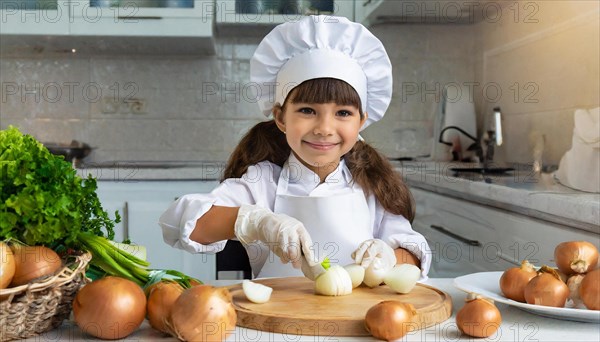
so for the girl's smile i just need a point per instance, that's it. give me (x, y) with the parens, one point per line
(319, 134)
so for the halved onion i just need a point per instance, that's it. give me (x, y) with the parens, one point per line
(255, 292)
(357, 274)
(402, 278)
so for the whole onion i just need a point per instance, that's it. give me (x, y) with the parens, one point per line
(589, 290)
(547, 289)
(575, 257)
(390, 320)
(7, 265)
(479, 317)
(514, 280)
(203, 313)
(110, 308)
(32, 262)
(161, 297)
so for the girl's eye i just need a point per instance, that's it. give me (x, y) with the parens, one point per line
(344, 113)
(306, 110)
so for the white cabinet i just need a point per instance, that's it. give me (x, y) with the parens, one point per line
(249, 12)
(26, 17)
(465, 237)
(142, 18)
(97, 26)
(140, 205)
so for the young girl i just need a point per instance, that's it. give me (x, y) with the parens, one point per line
(304, 186)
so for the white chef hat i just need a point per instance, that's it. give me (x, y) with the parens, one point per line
(322, 47)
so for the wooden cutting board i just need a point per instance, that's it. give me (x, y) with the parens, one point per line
(295, 309)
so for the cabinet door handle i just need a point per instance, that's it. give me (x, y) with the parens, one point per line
(366, 3)
(132, 17)
(456, 236)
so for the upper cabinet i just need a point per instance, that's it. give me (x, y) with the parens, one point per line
(364, 8)
(178, 18)
(273, 12)
(110, 25)
(34, 17)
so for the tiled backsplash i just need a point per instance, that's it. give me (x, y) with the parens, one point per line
(198, 108)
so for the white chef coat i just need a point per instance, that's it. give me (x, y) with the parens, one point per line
(259, 186)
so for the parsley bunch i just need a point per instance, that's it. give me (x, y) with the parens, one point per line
(42, 200)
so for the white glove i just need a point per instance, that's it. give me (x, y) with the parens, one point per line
(284, 235)
(374, 249)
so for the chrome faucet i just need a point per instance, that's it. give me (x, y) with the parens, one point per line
(492, 137)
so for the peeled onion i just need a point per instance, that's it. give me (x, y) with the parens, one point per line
(357, 274)
(255, 292)
(478, 317)
(7, 265)
(110, 308)
(575, 257)
(334, 282)
(161, 297)
(402, 278)
(514, 280)
(589, 290)
(390, 320)
(203, 313)
(547, 289)
(32, 262)
(375, 273)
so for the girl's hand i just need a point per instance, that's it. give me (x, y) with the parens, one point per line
(374, 249)
(285, 236)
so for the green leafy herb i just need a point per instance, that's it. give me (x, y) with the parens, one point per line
(44, 202)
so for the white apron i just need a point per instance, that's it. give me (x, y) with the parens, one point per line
(336, 224)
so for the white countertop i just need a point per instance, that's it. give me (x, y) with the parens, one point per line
(521, 191)
(517, 325)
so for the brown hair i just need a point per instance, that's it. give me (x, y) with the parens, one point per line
(369, 168)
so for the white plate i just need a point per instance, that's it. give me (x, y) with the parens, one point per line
(487, 284)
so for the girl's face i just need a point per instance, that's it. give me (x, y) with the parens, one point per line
(319, 134)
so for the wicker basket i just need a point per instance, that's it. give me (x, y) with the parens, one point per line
(40, 306)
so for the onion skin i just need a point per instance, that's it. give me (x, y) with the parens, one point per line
(161, 297)
(547, 289)
(573, 283)
(514, 280)
(589, 290)
(7, 265)
(110, 308)
(390, 320)
(203, 313)
(32, 262)
(575, 257)
(478, 318)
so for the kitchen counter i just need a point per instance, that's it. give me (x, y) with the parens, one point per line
(521, 191)
(517, 325)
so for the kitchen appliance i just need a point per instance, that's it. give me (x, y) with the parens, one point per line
(456, 110)
(73, 152)
(332, 316)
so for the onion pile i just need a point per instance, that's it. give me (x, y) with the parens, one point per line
(575, 261)
(390, 320)
(479, 317)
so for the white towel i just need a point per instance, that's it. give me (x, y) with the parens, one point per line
(579, 168)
